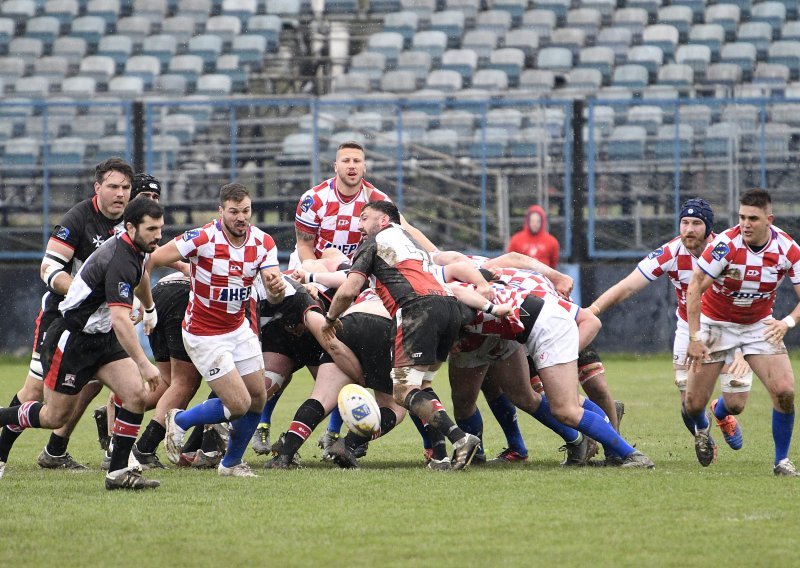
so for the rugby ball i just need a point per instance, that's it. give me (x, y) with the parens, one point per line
(359, 410)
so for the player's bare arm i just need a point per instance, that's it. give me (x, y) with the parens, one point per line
(145, 295)
(562, 282)
(126, 335)
(622, 290)
(345, 295)
(777, 329)
(466, 272)
(164, 256)
(697, 351)
(52, 271)
(473, 299)
(417, 235)
(305, 245)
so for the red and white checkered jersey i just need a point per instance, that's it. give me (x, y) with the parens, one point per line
(534, 283)
(222, 276)
(746, 282)
(674, 260)
(332, 217)
(402, 270)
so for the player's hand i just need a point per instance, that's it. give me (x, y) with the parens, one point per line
(696, 353)
(503, 310)
(275, 284)
(313, 290)
(774, 331)
(151, 376)
(564, 285)
(739, 368)
(298, 274)
(329, 330)
(150, 319)
(486, 291)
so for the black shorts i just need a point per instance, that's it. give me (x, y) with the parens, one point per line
(303, 349)
(369, 337)
(43, 321)
(588, 355)
(69, 368)
(171, 298)
(425, 329)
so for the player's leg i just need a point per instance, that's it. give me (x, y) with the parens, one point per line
(505, 413)
(242, 428)
(735, 392)
(32, 390)
(278, 368)
(465, 386)
(775, 371)
(699, 389)
(592, 378)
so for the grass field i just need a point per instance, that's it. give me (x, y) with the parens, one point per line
(393, 512)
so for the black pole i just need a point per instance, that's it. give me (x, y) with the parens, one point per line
(138, 136)
(580, 246)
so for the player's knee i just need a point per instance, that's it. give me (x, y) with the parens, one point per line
(590, 371)
(681, 379)
(785, 400)
(693, 403)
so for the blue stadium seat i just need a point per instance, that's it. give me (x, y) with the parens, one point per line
(451, 23)
(626, 143)
(444, 80)
(525, 40)
(423, 8)
(207, 47)
(188, 66)
(153, 10)
(241, 9)
(44, 28)
(668, 136)
(136, 27)
(463, 61)
(727, 16)
(127, 87)
(117, 47)
(214, 85)
(32, 87)
(573, 39)
(649, 117)
(198, 10)
(680, 17)
(721, 140)
(181, 28)
(52, 67)
(633, 19)
(469, 8)
(698, 57)
(490, 80)
(482, 42)
(585, 80)
(554, 59)
(389, 44)
(497, 21)
(786, 53)
(537, 81)
(373, 64)
(405, 23)
(18, 10)
(630, 76)
(225, 27)
(712, 35)
(251, 49)
(432, 42)
(587, 19)
(11, 69)
(493, 146)
(663, 36)
(516, 8)
(145, 67)
(757, 33)
(98, 67)
(617, 39)
(742, 54)
(79, 88)
(772, 13)
(66, 156)
(73, 49)
(26, 48)
(543, 22)
(108, 10)
(648, 56)
(418, 62)
(509, 60)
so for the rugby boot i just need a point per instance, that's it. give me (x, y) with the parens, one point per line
(327, 440)
(731, 431)
(440, 465)
(705, 447)
(46, 461)
(619, 407)
(507, 456)
(464, 450)
(147, 461)
(579, 453)
(100, 416)
(281, 461)
(785, 468)
(342, 455)
(637, 460)
(130, 478)
(173, 440)
(260, 442)
(238, 470)
(206, 460)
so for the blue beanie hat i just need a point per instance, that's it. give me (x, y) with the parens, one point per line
(699, 209)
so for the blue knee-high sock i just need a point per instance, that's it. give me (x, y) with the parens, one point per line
(782, 425)
(700, 421)
(266, 414)
(426, 441)
(506, 414)
(687, 420)
(335, 421)
(720, 410)
(241, 431)
(595, 427)
(473, 425)
(592, 407)
(210, 411)
(543, 415)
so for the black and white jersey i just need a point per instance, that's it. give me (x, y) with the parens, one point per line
(83, 229)
(107, 278)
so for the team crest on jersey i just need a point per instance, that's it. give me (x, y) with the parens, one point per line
(733, 274)
(189, 235)
(656, 253)
(719, 251)
(306, 204)
(62, 233)
(124, 290)
(69, 380)
(343, 222)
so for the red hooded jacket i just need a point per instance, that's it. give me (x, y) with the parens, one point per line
(541, 245)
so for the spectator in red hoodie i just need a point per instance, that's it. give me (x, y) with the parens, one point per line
(534, 240)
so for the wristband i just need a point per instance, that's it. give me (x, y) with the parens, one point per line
(694, 336)
(329, 319)
(151, 309)
(309, 277)
(789, 321)
(488, 307)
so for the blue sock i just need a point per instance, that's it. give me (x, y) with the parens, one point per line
(241, 431)
(210, 411)
(426, 441)
(335, 421)
(266, 414)
(546, 417)
(720, 410)
(592, 407)
(700, 421)
(782, 425)
(595, 427)
(687, 420)
(473, 425)
(506, 414)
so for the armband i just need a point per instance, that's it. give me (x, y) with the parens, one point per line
(789, 321)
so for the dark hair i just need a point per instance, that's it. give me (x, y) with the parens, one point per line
(235, 192)
(145, 183)
(756, 198)
(114, 164)
(350, 144)
(137, 208)
(387, 208)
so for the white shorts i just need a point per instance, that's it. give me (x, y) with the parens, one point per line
(722, 339)
(294, 260)
(492, 349)
(217, 355)
(554, 337)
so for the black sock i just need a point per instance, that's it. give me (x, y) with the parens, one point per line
(195, 440)
(209, 440)
(126, 428)
(151, 437)
(419, 400)
(8, 436)
(57, 445)
(306, 419)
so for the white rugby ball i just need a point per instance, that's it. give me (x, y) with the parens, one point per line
(359, 410)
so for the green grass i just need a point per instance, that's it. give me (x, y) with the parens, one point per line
(394, 512)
